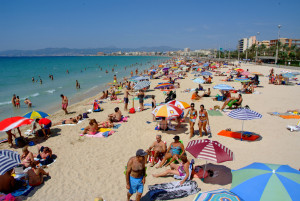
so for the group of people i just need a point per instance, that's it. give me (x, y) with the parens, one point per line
(16, 101)
(196, 96)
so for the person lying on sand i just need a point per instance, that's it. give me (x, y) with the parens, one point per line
(106, 124)
(92, 128)
(239, 101)
(103, 95)
(66, 121)
(113, 96)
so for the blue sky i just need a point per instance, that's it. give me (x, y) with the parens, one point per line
(34, 24)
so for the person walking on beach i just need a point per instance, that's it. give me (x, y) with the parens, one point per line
(64, 103)
(126, 100)
(192, 113)
(13, 100)
(136, 175)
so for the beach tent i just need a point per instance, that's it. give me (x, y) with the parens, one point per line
(264, 182)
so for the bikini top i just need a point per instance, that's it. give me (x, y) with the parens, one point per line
(175, 150)
(201, 114)
(192, 116)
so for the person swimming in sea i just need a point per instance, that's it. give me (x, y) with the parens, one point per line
(41, 81)
(106, 71)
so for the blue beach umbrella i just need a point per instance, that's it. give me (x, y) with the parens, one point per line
(141, 78)
(264, 182)
(8, 160)
(199, 81)
(217, 195)
(36, 115)
(141, 85)
(288, 75)
(224, 87)
(196, 67)
(205, 73)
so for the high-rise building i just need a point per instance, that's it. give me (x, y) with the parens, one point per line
(246, 43)
(187, 49)
(286, 41)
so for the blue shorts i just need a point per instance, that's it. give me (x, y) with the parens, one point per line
(48, 126)
(136, 185)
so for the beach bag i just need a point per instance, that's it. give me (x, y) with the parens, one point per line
(132, 110)
(20, 142)
(85, 115)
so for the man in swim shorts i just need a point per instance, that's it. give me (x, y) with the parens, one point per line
(136, 175)
(46, 126)
(126, 94)
(158, 147)
(64, 103)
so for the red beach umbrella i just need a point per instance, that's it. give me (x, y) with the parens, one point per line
(14, 122)
(209, 150)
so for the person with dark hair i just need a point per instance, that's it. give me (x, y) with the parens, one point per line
(192, 113)
(36, 175)
(141, 96)
(64, 103)
(203, 120)
(92, 128)
(115, 117)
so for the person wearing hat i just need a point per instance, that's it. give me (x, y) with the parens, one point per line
(192, 118)
(175, 150)
(136, 175)
(195, 95)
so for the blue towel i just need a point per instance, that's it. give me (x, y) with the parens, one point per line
(105, 134)
(117, 126)
(147, 104)
(22, 191)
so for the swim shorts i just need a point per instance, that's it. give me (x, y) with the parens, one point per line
(48, 126)
(126, 100)
(136, 185)
(63, 122)
(64, 106)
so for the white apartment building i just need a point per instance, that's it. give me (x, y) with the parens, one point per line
(246, 43)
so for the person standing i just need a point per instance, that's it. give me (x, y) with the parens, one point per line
(126, 100)
(203, 120)
(136, 175)
(192, 118)
(17, 102)
(45, 125)
(141, 96)
(64, 103)
(77, 85)
(13, 100)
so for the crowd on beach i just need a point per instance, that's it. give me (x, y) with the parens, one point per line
(158, 153)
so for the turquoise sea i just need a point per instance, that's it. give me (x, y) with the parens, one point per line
(16, 78)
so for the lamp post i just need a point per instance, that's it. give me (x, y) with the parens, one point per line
(256, 47)
(276, 58)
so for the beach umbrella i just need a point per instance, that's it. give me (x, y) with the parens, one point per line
(257, 73)
(264, 182)
(171, 75)
(167, 110)
(14, 122)
(199, 81)
(296, 73)
(165, 69)
(164, 85)
(239, 69)
(213, 67)
(217, 195)
(209, 151)
(205, 73)
(288, 75)
(183, 66)
(199, 69)
(194, 67)
(194, 72)
(244, 114)
(180, 104)
(242, 80)
(36, 115)
(246, 73)
(233, 72)
(141, 78)
(178, 71)
(141, 85)
(205, 65)
(8, 160)
(223, 87)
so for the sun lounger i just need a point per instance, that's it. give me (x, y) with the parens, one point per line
(294, 128)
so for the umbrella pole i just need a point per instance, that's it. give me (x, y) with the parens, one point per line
(204, 171)
(242, 131)
(133, 102)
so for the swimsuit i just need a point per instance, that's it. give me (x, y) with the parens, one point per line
(136, 185)
(192, 116)
(202, 115)
(175, 150)
(63, 122)
(141, 98)
(181, 171)
(126, 100)
(48, 126)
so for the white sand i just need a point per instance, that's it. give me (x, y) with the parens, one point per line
(89, 167)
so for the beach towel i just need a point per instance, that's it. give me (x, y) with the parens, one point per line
(214, 113)
(172, 190)
(100, 134)
(237, 135)
(4, 140)
(290, 116)
(24, 190)
(147, 104)
(170, 128)
(7, 197)
(71, 124)
(124, 119)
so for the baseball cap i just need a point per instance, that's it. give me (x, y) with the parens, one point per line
(141, 152)
(176, 137)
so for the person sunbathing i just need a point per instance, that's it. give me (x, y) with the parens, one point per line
(45, 155)
(195, 95)
(207, 94)
(113, 96)
(27, 157)
(158, 147)
(163, 124)
(36, 175)
(115, 117)
(103, 95)
(92, 128)
(66, 121)
(106, 124)
(173, 151)
(181, 170)
(8, 183)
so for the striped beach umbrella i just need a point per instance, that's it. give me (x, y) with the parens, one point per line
(209, 151)
(264, 182)
(199, 81)
(217, 195)
(180, 104)
(167, 110)
(8, 160)
(141, 85)
(244, 114)
(14, 122)
(224, 87)
(36, 115)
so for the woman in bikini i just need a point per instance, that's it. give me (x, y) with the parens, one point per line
(106, 124)
(27, 157)
(203, 120)
(92, 128)
(181, 170)
(35, 175)
(192, 118)
(17, 102)
(173, 152)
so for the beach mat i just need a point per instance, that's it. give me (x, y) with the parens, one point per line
(290, 116)
(214, 113)
(237, 135)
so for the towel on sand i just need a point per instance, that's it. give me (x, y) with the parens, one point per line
(251, 137)
(214, 113)
(290, 116)
(101, 134)
(172, 190)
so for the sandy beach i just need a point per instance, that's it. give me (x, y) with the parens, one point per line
(86, 168)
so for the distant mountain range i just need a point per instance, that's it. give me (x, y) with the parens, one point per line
(80, 52)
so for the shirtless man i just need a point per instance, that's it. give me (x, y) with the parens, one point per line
(136, 175)
(159, 147)
(115, 117)
(64, 103)
(13, 100)
(126, 94)
(67, 121)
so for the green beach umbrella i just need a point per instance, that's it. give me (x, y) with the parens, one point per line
(265, 182)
